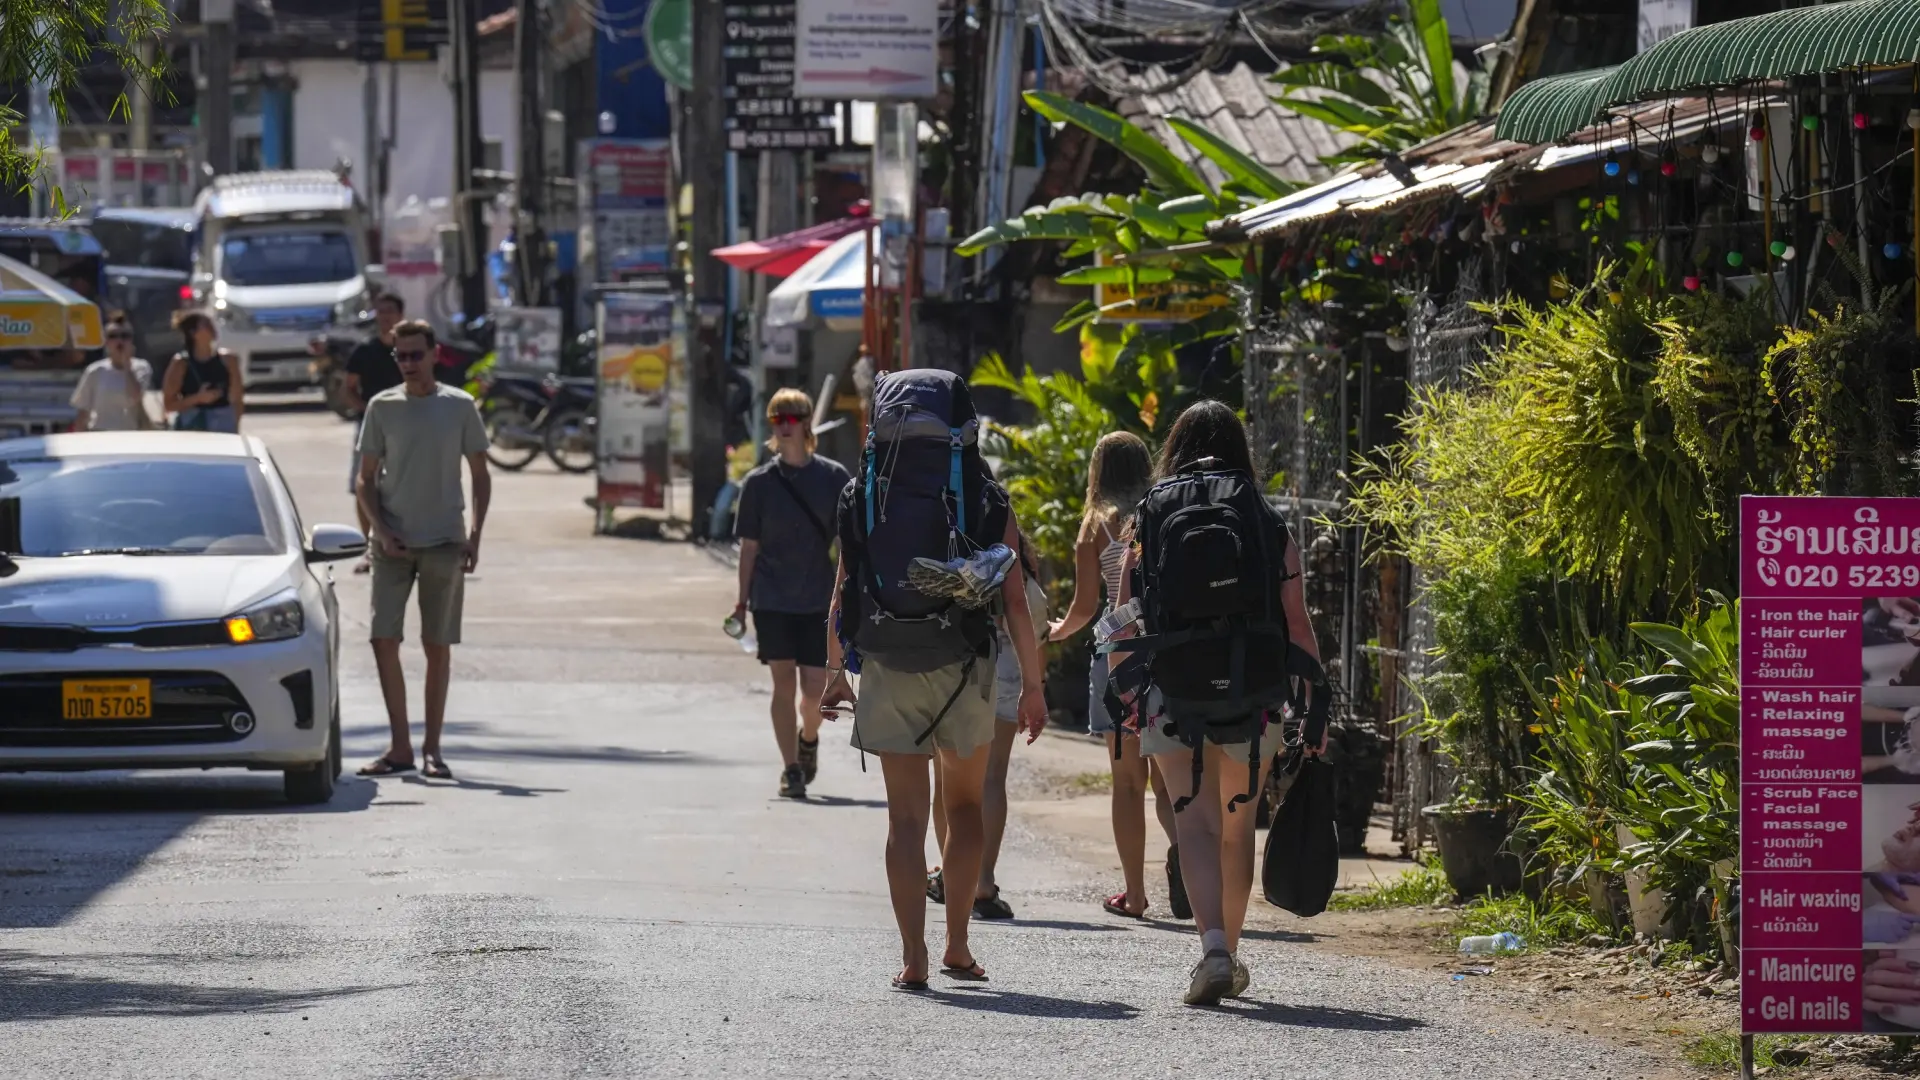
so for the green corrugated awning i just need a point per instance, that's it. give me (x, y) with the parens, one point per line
(1547, 110)
(1777, 45)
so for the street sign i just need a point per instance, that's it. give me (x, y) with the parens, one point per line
(872, 50)
(669, 35)
(1829, 764)
(625, 183)
(399, 30)
(757, 61)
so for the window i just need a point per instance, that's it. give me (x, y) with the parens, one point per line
(148, 244)
(287, 258)
(172, 506)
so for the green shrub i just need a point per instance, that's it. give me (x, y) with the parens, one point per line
(1423, 886)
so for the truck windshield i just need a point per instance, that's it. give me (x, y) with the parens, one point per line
(287, 258)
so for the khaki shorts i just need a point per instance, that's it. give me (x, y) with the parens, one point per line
(895, 708)
(443, 581)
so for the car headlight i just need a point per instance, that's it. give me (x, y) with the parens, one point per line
(275, 619)
(353, 311)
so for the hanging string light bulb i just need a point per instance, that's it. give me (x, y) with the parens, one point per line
(1710, 153)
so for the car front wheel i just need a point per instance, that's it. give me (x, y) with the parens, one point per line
(313, 785)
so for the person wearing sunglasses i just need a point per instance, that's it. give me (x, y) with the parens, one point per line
(111, 395)
(787, 562)
(412, 440)
(203, 387)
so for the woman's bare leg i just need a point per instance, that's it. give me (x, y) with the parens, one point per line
(908, 800)
(1130, 817)
(1162, 805)
(993, 806)
(963, 779)
(1198, 828)
(1237, 838)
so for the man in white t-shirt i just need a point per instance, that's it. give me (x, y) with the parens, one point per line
(111, 395)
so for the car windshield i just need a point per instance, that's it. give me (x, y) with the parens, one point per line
(52, 507)
(145, 243)
(287, 258)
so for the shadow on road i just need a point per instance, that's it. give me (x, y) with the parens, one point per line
(1318, 1016)
(1066, 924)
(841, 800)
(1014, 1003)
(480, 785)
(30, 991)
(66, 839)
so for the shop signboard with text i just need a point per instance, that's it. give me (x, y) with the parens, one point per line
(1830, 764)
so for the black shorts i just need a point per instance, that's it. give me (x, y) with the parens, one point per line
(799, 638)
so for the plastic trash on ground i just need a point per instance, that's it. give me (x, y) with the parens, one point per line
(1488, 944)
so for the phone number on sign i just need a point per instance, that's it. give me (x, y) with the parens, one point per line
(1826, 576)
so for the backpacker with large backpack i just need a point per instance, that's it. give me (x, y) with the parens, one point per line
(922, 492)
(1213, 635)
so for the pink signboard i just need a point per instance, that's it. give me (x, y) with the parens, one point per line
(1830, 765)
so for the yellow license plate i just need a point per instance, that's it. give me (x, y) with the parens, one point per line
(106, 699)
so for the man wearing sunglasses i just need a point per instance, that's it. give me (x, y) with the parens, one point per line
(111, 395)
(412, 441)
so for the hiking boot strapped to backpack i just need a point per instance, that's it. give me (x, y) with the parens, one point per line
(922, 493)
(1214, 630)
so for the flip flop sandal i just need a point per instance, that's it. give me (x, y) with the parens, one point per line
(936, 886)
(992, 907)
(973, 972)
(910, 986)
(435, 768)
(1117, 905)
(384, 766)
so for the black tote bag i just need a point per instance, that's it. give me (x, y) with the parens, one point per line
(1301, 865)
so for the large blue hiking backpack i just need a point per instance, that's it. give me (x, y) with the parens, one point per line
(922, 492)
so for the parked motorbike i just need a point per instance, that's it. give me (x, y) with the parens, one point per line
(329, 368)
(526, 415)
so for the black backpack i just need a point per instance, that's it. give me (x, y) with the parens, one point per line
(1211, 565)
(923, 492)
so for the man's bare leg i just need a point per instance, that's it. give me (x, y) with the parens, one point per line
(393, 690)
(439, 675)
(785, 682)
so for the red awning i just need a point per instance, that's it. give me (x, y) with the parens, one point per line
(779, 256)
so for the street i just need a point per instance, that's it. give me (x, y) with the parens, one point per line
(611, 888)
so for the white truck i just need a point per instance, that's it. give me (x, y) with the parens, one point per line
(281, 258)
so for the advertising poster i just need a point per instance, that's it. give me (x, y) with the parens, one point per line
(635, 365)
(528, 339)
(1830, 764)
(872, 50)
(629, 182)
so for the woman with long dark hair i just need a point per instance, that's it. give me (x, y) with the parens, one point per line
(1216, 843)
(1119, 473)
(203, 386)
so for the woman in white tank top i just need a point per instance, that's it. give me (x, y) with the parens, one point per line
(1119, 474)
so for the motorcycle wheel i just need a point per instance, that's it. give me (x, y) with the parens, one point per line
(503, 449)
(334, 386)
(572, 441)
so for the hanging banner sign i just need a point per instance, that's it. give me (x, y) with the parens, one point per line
(527, 339)
(871, 50)
(635, 368)
(1830, 764)
(764, 110)
(1661, 19)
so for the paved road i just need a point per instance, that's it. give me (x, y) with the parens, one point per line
(611, 889)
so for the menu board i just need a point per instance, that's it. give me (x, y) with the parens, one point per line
(1830, 764)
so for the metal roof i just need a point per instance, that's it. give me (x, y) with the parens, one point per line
(1238, 106)
(1777, 45)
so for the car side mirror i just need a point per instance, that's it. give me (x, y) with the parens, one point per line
(331, 543)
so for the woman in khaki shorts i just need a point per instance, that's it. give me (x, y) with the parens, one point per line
(946, 715)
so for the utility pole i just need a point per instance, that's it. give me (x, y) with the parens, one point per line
(530, 175)
(706, 173)
(216, 101)
(468, 204)
(141, 103)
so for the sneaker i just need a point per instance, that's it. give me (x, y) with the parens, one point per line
(1242, 978)
(793, 783)
(1212, 979)
(969, 582)
(810, 759)
(1177, 887)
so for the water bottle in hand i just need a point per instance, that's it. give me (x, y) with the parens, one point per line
(735, 627)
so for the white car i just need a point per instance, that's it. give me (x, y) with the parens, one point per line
(162, 607)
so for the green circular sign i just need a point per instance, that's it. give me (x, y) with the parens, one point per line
(669, 36)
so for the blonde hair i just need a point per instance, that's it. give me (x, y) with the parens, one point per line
(1119, 474)
(790, 402)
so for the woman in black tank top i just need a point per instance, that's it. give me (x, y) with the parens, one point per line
(202, 386)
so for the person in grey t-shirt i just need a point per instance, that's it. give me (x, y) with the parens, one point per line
(786, 576)
(411, 442)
